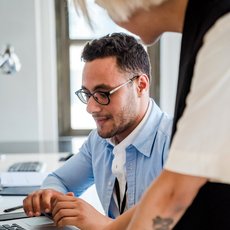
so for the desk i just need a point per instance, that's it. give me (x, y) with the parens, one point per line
(9, 202)
(52, 162)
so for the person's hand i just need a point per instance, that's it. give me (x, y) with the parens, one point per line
(69, 210)
(39, 201)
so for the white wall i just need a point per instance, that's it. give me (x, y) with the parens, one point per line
(170, 52)
(28, 98)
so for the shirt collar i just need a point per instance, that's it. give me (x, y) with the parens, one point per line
(129, 139)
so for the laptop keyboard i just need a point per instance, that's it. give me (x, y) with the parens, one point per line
(11, 227)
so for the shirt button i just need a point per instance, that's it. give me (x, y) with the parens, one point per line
(110, 183)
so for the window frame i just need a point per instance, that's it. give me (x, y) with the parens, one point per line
(63, 70)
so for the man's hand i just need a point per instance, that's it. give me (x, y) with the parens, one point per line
(69, 210)
(39, 201)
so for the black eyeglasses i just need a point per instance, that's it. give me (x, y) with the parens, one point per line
(99, 96)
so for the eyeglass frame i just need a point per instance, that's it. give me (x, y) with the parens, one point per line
(107, 94)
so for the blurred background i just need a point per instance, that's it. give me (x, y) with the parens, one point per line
(38, 108)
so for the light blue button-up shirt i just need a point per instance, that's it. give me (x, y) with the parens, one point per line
(144, 161)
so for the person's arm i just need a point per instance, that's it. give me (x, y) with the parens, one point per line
(122, 221)
(165, 201)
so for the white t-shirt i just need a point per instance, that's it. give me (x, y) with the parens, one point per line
(201, 145)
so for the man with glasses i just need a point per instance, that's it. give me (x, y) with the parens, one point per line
(127, 150)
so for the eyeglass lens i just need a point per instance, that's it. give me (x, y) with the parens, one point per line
(100, 97)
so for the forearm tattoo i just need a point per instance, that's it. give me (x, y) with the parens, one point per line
(160, 223)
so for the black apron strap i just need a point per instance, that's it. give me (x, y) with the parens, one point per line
(121, 205)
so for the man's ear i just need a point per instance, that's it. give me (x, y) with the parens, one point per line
(142, 84)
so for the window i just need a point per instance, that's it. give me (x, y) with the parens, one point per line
(72, 34)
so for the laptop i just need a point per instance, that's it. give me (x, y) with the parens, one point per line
(33, 223)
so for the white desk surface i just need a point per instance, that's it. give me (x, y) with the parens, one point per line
(51, 160)
(9, 202)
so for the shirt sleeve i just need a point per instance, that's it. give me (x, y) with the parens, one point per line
(201, 145)
(53, 182)
(76, 175)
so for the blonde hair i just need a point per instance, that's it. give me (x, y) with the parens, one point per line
(118, 10)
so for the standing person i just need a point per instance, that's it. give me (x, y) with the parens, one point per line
(193, 190)
(126, 151)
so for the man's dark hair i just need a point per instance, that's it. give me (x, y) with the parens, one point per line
(130, 54)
